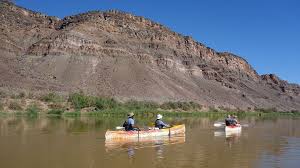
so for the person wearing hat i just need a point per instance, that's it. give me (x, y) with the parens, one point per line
(129, 123)
(235, 120)
(228, 120)
(159, 123)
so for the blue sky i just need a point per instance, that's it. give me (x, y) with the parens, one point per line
(265, 32)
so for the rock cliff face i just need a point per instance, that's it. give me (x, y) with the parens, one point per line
(129, 57)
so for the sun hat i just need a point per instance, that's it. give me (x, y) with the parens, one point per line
(159, 116)
(131, 114)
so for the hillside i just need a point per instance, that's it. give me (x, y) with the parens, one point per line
(120, 55)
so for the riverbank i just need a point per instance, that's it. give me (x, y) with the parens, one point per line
(77, 104)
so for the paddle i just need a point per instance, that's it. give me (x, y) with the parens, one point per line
(120, 128)
(219, 124)
(245, 125)
(123, 128)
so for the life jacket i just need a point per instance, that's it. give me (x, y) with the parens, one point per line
(157, 124)
(227, 121)
(128, 127)
(230, 122)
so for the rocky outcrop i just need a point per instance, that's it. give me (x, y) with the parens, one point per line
(118, 54)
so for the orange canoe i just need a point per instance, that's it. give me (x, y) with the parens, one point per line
(177, 129)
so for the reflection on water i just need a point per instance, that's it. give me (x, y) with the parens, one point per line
(79, 142)
(230, 138)
(133, 144)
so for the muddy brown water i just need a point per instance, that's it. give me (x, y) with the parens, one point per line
(80, 143)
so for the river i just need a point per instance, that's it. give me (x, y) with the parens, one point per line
(49, 142)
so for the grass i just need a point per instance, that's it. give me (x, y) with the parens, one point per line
(32, 110)
(56, 112)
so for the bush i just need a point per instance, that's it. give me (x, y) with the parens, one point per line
(266, 110)
(15, 106)
(56, 106)
(56, 111)
(32, 110)
(213, 109)
(138, 105)
(1, 106)
(80, 101)
(21, 95)
(52, 97)
(186, 106)
(169, 106)
(105, 103)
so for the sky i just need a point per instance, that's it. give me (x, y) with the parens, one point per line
(264, 32)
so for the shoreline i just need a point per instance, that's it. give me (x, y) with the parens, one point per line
(79, 104)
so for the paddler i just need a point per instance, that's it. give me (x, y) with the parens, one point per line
(234, 120)
(129, 123)
(159, 123)
(228, 120)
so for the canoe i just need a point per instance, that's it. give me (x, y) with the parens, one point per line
(236, 128)
(177, 129)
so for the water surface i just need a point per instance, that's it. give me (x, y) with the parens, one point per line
(80, 143)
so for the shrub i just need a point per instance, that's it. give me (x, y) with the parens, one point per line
(21, 95)
(32, 110)
(15, 106)
(186, 106)
(52, 97)
(80, 101)
(56, 105)
(138, 105)
(56, 111)
(105, 103)
(169, 106)
(1, 106)
(30, 95)
(213, 109)
(266, 110)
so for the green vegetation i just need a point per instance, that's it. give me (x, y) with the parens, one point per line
(56, 111)
(139, 105)
(79, 100)
(79, 104)
(185, 106)
(105, 103)
(266, 110)
(32, 110)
